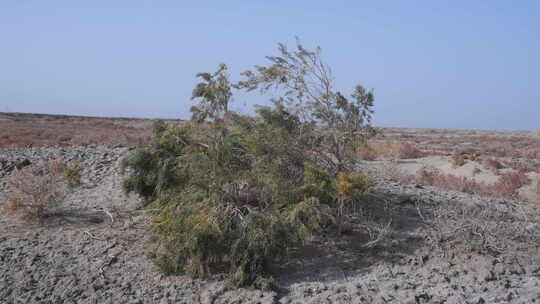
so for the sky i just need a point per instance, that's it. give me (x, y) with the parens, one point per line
(431, 64)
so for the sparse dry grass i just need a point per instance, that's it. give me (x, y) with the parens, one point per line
(366, 152)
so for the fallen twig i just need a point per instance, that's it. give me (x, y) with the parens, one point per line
(112, 258)
(377, 234)
(110, 215)
(91, 235)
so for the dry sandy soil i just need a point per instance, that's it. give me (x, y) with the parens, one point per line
(411, 243)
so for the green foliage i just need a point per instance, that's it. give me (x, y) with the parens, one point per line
(156, 169)
(229, 200)
(214, 95)
(308, 92)
(235, 192)
(159, 127)
(319, 183)
(308, 215)
(261, 236)
(194, 238)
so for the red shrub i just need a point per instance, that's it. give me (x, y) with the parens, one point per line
(433, 177)
(514, 178)
(505, 189)
(492, 164)
(509, 183)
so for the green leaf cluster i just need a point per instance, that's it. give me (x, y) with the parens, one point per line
(230, 201)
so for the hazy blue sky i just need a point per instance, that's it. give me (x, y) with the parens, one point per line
(447, 64)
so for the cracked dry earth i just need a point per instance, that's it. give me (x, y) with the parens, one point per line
(438, 247)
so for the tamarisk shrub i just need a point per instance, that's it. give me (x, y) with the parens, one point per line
(234, 192)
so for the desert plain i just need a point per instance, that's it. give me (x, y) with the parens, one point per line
(454, 218)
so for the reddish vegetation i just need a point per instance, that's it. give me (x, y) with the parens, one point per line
(492, 164)
(515, 153)
(31, 130)
(507, 185)
(522, 166)
(433, 177)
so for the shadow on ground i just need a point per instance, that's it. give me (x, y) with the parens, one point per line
(72, 218)
(329, 258)
(75, 217)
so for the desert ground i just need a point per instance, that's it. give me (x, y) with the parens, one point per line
(454, 218)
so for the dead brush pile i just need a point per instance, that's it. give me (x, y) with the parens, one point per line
(483, 228)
